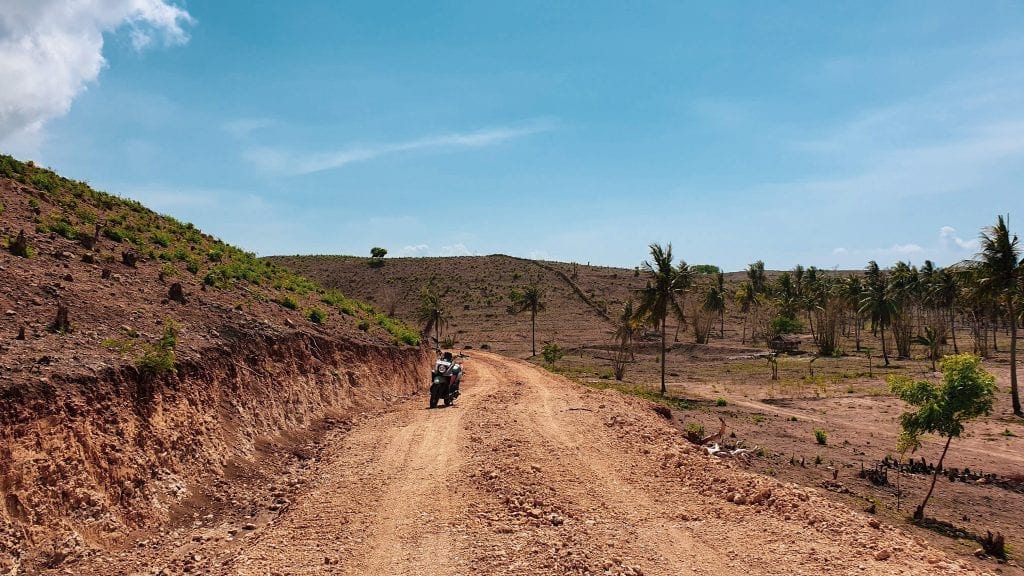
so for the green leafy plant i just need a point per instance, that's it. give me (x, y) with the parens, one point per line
(316, 315)
(966, 392)
(783, 325)
(721, 402)
(288, 302)
(552, 353)
(821, 437)
(161, 239)
(694, 432)
(159, 358)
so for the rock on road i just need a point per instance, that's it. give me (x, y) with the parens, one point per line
(532, 474)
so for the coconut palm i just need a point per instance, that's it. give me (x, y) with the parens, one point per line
(431, 312)
(1000, 272)
(745, 298)
(877, 303)
(756, 276)
(626, 329)
(660, 297)
(530, 299)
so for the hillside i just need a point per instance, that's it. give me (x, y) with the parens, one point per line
(143, 362)
(476, 292)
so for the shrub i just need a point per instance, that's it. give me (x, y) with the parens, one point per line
(694, 432)
(316, 315)
(159, 358)
(364, 326)
(215, 255)
(61, 226)
(288, 302)
(168, 270)
(820, 436)
(783, 325)
(552, 353)
(161, 239)
(721, 402)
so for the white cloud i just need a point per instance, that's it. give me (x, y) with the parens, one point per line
(906, 248)
(295, 163)
(949, 238)
(539, 255)
(456, 250)
(414, 251)
(839, 250)
(50, 50)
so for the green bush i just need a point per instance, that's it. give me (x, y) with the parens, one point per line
(694, 432)
(316, 315)
(821, 437)
(288, 302)
(159, 358)
(61, 226)
(721, 402)
(783, 325)
(161, 239)
(552, 353)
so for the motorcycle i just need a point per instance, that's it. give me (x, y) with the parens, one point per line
(445, 379)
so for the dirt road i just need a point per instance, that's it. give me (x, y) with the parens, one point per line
(532, 474)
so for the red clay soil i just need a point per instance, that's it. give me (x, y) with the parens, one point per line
(530, 473)
(93, 449)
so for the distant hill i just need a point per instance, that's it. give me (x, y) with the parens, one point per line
(476, 292)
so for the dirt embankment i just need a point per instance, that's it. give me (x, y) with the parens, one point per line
(84, 462)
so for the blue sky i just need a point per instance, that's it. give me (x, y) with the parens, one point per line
(823, 134)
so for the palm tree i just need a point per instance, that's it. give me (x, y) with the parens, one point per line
(658, 299)
(944, 295)
(755, 273)
(877, 303)
(532, 299)
(626, 328)
(1001, 272)
(431, 313)
(714, 303)
(745, 298)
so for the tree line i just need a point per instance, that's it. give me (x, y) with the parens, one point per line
(901, 306)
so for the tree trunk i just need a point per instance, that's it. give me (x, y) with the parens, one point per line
(952, 329)
(856, 331)
(919, 513)
(1014, 394)
(663, 356)
(885, 351)
(533, 332)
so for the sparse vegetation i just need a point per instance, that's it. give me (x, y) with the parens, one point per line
(316, 315)
(821, 436)
(552, 353)
(158, 359)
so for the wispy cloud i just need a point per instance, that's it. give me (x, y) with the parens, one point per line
(296, 163)
(418, 250)
(243, 127)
